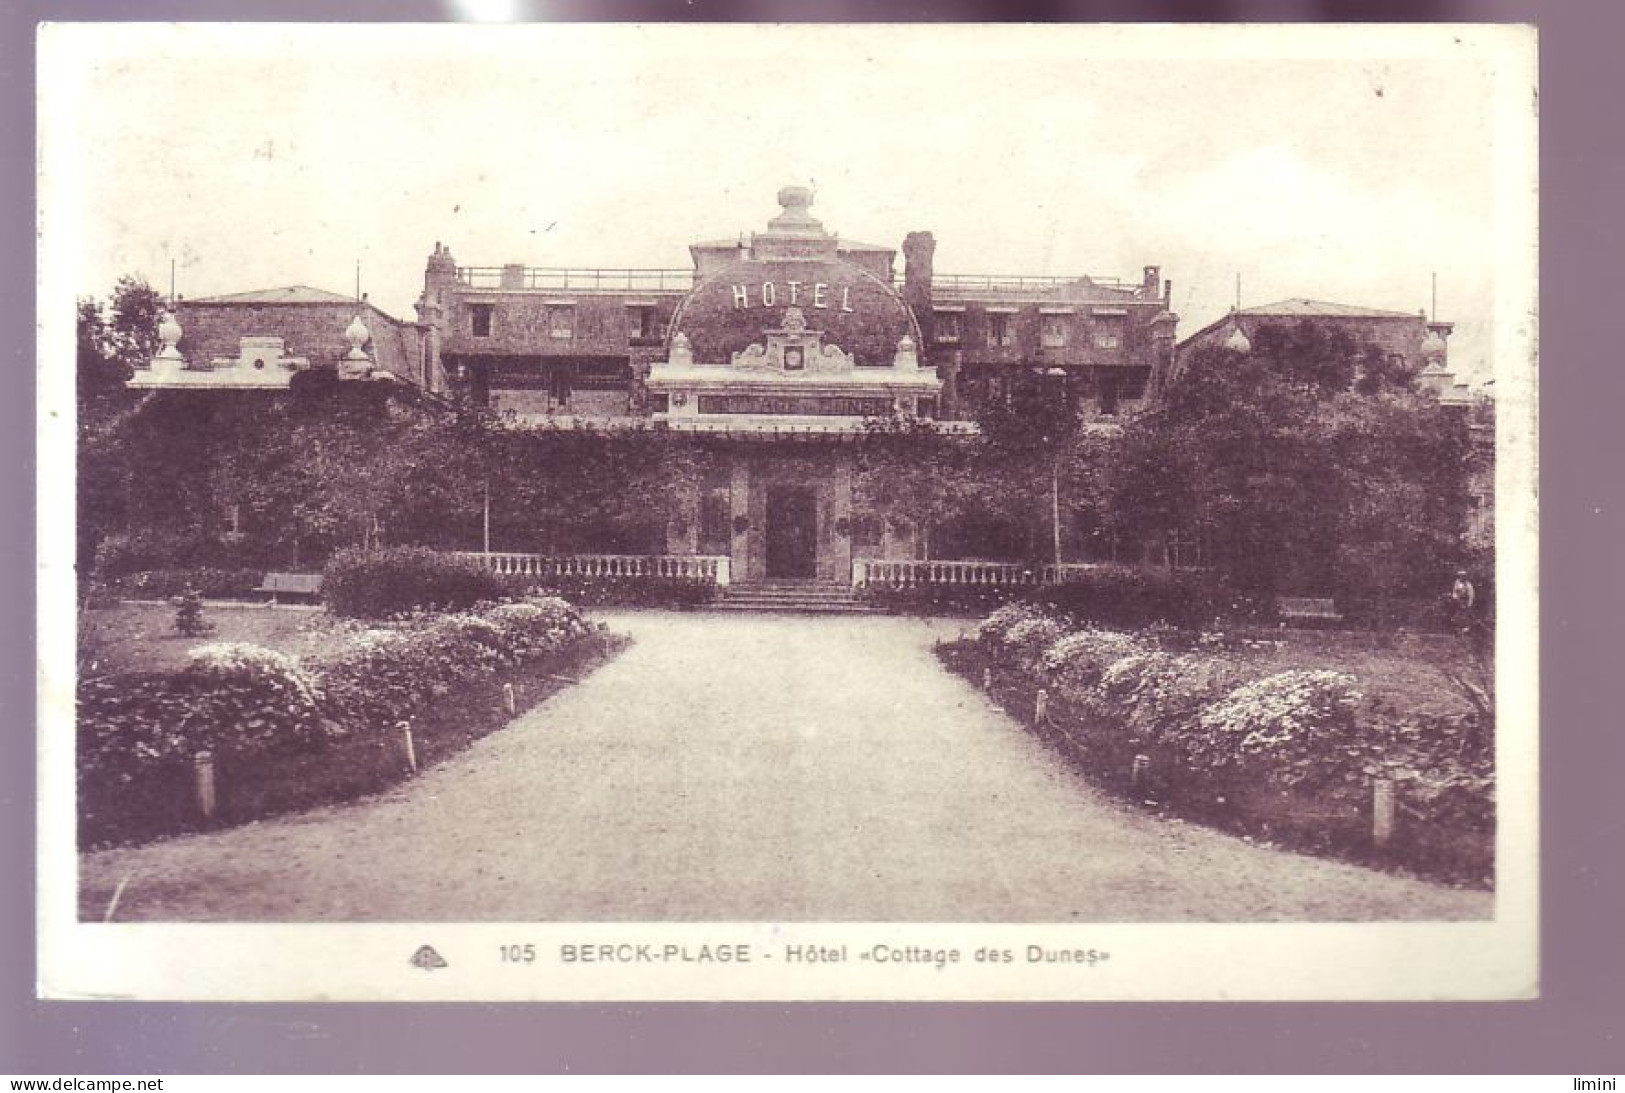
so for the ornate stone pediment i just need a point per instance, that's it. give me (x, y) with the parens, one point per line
(793, 349)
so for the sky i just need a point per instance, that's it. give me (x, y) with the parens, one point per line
(1333, 164)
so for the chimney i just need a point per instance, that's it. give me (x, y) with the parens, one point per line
(1152, 285)
(919, 250)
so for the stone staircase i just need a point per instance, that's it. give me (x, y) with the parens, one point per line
(831, 597)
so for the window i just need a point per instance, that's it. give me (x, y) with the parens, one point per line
(558, 384)
(1052, 333)
(642, 322)
(660, 404)
(925, 407)
(561, 322)
(999, 332)
(480, 316)
(947, 326)
(1108, 339)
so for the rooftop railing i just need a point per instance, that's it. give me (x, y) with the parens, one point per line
(986, 282)
(575, 280)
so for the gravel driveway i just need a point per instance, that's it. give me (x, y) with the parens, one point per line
(754, 768)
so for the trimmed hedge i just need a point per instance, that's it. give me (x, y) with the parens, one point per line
(1130, 596)
(1111, 595)
(632, 591)
(377, 584)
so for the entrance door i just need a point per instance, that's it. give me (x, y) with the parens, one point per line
(792, 532)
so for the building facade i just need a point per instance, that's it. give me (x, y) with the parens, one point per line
(1412, 343)
(776, 348)
(264, 339)
(782, 344)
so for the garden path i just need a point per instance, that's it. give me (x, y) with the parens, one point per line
(750, 767)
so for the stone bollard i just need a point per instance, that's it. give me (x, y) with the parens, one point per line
(203, 775)
(509, 700)
(1041, 708)
(1382, 812)
(1137, 770)
(411, 749)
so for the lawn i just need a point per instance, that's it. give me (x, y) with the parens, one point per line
(1407, 671)
(134, 637)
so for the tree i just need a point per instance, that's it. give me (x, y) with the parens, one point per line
(911, 471)
(112, 340)
(1036, 426)
(1308, 463)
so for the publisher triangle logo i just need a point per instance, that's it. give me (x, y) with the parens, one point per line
(427, 959)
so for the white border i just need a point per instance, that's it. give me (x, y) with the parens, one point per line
(1480, 960)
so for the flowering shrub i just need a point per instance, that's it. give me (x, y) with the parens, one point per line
(1025, 642)
(249, 700)
(1293, 720)
(1159, 695)
(1077, 660)
(238, 662)
(229, 696)
(993, 628)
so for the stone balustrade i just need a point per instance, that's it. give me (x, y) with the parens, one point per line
(908, 574)
(702, 567)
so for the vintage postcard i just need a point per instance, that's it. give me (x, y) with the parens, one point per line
(787, 512)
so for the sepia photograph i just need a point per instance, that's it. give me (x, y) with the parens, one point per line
(659, 511)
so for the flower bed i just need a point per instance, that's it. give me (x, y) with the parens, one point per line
(1215, 731)
(285, 733)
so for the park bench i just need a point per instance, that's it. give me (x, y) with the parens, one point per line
(291, 584)
(1308, 610)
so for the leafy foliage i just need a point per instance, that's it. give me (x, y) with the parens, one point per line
(206, 581)
(1077, 660)
(244, 701)
(1224, 729)
(633, 591)
(375, 584)
(1308, 464)
(1295, 719)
